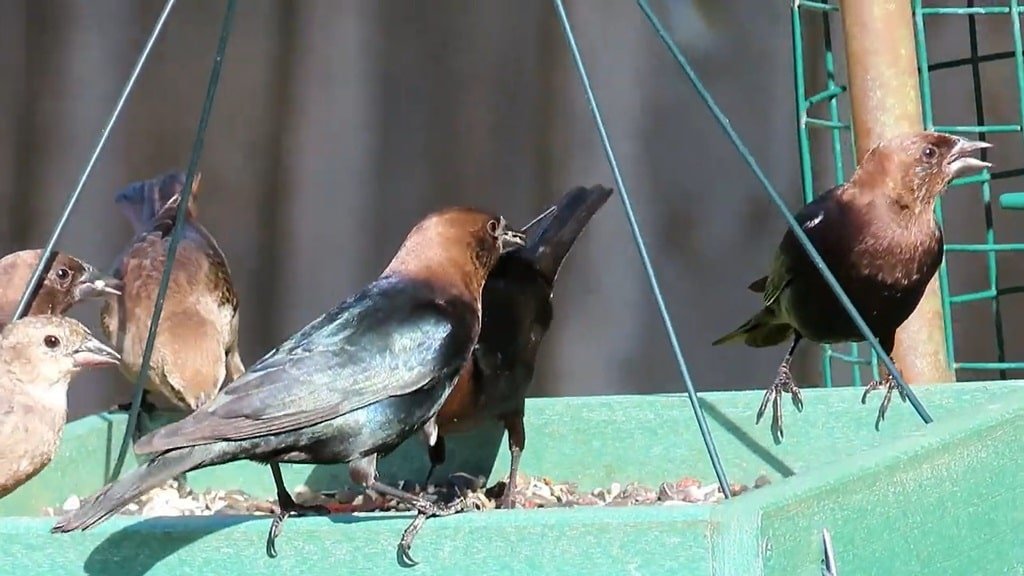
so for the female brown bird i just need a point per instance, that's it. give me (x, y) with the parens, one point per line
(196, 348)
(68, 281)
(38, 357)
(879, 237)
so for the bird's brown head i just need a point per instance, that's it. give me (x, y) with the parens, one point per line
(455, 249)
(920, 165)
(48, 350)
(68, 280)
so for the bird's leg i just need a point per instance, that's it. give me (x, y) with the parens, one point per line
(429, 435)
(234, 366)
(516, 442)
(183, 489)
(363, 471)
(783, 384)
(424, 510)
(888, 382)
(286, 507)
(437, 454)
(147, 409)
(145, 406)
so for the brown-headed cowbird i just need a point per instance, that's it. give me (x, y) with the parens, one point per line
(517, 313)
(879, 237)
(196, 348)
(68, 280)
(38, 357)
(350, 386)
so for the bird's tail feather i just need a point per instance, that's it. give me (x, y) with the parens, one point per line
(128, 488)
(759, 332)
(560, 230)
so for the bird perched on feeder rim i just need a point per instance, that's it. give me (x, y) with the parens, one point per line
(38, 357)
(878, 235)
(517, 313)
(350, 386)
(68, 281)
(196, 348)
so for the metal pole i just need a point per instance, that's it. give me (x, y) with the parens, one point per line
(885, 99)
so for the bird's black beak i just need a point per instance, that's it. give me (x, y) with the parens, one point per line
(509, 239)
(960, 162)
(96, 284)
(93, 353)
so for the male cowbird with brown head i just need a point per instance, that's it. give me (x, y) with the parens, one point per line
(196, 348)
(38, 357)
(517, 313)
(68, 280)
(879, 237)
(350, 386)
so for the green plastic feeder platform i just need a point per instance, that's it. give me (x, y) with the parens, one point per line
(944, 496)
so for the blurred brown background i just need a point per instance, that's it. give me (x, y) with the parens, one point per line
(339, 123)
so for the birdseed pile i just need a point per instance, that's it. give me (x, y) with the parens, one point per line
(531, 492)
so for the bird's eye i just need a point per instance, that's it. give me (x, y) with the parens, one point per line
(51, 341)
(493, 227)
(63, 274)
(929, 152)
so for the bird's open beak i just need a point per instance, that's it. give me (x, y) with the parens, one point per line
(96, 284)
(510, 239)
(95, 353)
(960, 161)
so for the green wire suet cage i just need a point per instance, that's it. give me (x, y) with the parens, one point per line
(990, 199)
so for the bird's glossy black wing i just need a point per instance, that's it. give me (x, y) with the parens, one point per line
(813, 220)
(355, 355)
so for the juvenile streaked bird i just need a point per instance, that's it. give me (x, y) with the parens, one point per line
(67, 281)
(38, 357)
(879, 237)
(517, 313)
(196, 348)
(350, 386)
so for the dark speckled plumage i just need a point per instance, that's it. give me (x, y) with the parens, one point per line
(879, 237)
(351, 385)
(517, 313)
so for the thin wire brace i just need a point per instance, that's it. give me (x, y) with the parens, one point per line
(627, 205)
(69, 205)
(723, 121)
(176, 234)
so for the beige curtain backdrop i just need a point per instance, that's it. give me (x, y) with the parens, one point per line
(340, 122)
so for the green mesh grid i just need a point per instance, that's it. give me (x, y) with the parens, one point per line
(822, 116)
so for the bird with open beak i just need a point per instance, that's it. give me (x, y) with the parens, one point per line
(517, 314)
(879, 236)
(39, 355)
(67, 281)
(350, 386)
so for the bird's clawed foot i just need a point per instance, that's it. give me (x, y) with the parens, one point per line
(890, 384)
(285, 509)
(783, 384)
(425, 510)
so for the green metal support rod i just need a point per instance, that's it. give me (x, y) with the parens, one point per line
(623, 194)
